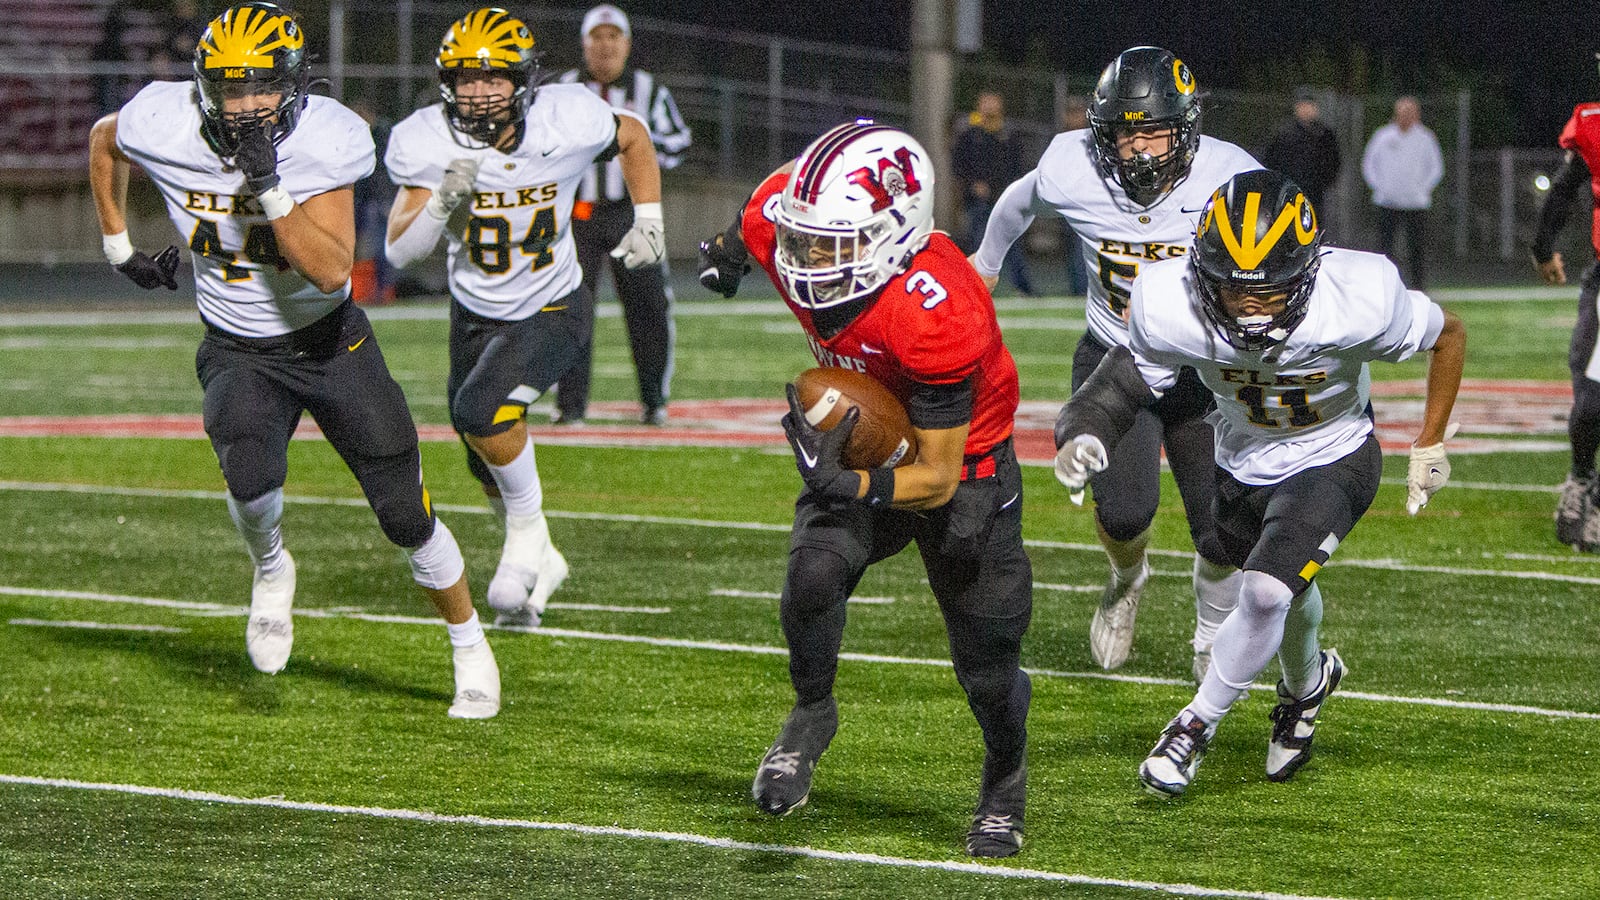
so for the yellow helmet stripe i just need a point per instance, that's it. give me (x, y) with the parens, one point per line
(245, 39)
(485, 37)
(1244, 248)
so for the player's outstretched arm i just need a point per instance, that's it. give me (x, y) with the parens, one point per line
(1429, 467)
(1012, 215)
(645, 243)
(108, 181)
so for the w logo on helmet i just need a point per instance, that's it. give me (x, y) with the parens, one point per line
(891, 180)
(1251, 244)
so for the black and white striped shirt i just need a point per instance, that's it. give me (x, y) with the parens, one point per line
(638, 92)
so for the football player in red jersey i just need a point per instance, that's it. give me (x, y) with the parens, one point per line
(1578, 510)
(846, 233)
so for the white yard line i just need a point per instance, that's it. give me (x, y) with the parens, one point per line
(196, 608)
(613, 831)
(96, 626)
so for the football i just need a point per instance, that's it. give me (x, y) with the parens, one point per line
(883, 435)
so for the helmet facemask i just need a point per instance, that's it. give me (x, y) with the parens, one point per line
(1146, 178)
(828, 266)
(252, 50)
(1255, 333)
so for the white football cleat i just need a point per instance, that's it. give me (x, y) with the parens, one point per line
(1171, 765)
(1111, 632)
(477, 683)
(269, 635)
(1294, 721)
(530, 570)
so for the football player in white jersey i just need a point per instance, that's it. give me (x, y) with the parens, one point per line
(1281, 331)
(259, 174)
(496, 166)
(1131, 186)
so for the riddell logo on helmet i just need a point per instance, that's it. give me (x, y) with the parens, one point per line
(1249, 275)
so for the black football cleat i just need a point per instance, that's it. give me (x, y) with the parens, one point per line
(783, 781)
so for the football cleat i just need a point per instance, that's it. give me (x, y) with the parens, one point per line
(477, 683)
(783, 781)
(1111, 631)
(269, 635)
(530, 570)
(1171, 765)
(1572, 510)
(997, 825)
(1294, 722)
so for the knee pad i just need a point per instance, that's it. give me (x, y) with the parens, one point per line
(1262, 596)
(437, 564)
(250, 468)
(485, 416)
(817, 579)
(1124, 521)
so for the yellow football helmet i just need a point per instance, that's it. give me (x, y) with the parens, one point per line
(251, 49)
(487, 39)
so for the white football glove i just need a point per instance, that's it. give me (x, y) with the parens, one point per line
(455, 187)
(1077, 459)
(1427, 472)
(644, 244)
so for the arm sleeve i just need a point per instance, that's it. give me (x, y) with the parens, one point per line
(936, 406)
(1569, 180)
(1106, 404)
(1013, 213)
(416, 242)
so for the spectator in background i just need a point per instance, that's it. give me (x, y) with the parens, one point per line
(1402, 165)
(604, 213)
(1074, 117)
(986, 158)
(179, 35)
(109, 90)
(1306, 150)
(1578, 509)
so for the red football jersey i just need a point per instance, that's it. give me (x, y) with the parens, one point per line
(933, 323)
(1582, 136)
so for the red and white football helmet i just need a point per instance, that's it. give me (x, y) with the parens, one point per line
(858, 206)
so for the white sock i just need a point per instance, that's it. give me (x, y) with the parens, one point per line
(466, 634)
(1301, 653)
(1216, 593)
(257, 522)
(519, 484)
(1246, 642)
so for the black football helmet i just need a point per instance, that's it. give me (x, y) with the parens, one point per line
(251, 49)
(487, 39)
(1258, 235)
(1145, 87)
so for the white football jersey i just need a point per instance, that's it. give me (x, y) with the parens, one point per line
(1118, 237)
(242, 284)
(511, 249)
(1304, 402)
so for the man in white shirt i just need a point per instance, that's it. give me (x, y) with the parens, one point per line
(1402, 165)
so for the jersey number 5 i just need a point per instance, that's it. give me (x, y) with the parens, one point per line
(1117, 296)
(488, 241)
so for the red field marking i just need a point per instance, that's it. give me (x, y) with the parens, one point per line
(1494, 416)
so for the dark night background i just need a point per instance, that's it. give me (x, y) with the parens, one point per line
(1529, 60)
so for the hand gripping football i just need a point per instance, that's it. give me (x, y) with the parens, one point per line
(883, 435)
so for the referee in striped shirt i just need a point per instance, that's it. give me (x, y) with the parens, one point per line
(603, 214)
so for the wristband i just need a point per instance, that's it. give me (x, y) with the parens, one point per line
(118, 249)
(647, 210)
(275, 202)
(880, 487)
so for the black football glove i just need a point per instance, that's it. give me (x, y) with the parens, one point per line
(152, 273)
(817, 453)
(257, 158)
(723, 261)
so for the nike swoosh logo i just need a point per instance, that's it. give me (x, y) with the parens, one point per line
(868, 348)
(551, 308)
(352, 347)
(548, 152)
(1007, 504)
(808, 459)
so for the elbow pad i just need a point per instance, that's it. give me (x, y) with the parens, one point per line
(1106, 404)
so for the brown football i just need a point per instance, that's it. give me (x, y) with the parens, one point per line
(883, 435)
